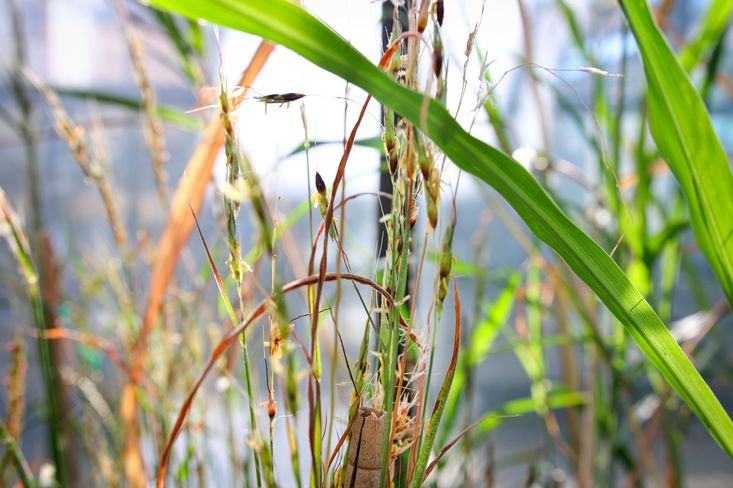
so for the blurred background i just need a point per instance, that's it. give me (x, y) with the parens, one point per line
(523, 72)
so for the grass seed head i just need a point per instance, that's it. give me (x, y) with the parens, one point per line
(437, 53)
(15, 382)
(320, 184)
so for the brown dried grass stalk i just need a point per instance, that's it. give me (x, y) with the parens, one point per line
(93, 169)
(155, 135)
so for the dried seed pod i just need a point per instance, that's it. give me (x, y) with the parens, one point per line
(398, 246)
(291, 383)
(424, 159)
(320, 185)
(390, 141)
(15, 383)
(322, 201)
(432, 206)
(271, 408)
(393, 162)
(437, 53)
(414, 211)
(432, 196)
(439, 11)
(408, 161)
(446, 256)
(469, 43)
(422, 20)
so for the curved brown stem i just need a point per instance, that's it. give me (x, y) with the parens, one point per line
(231, 337)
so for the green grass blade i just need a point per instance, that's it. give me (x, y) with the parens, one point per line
(713, 26)
(285, 23)
(168, 114)
(372, 142)
(684, 134)
(188, 64)
(523, 406)
(485, 332)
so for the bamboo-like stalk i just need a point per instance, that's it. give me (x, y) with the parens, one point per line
(364, 455)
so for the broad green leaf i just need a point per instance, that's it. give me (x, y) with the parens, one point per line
(287, 24)
(685, 136)
(713, 26)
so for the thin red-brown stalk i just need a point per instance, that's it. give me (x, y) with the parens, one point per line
(314, 387)
(259, 311)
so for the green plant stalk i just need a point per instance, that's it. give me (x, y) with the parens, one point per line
(424, 456)
(49, 380)
(231, 209)
(480, 257)
(316, 427)
(361, 371)
(340, 256)
(444, 271)
(424, 409)
(303, 33)
(531, 355)
(24, 471)
(27, 134)
(21, 251)
(233, 318)
(250, 398)
(400, 231)
(618, 116)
